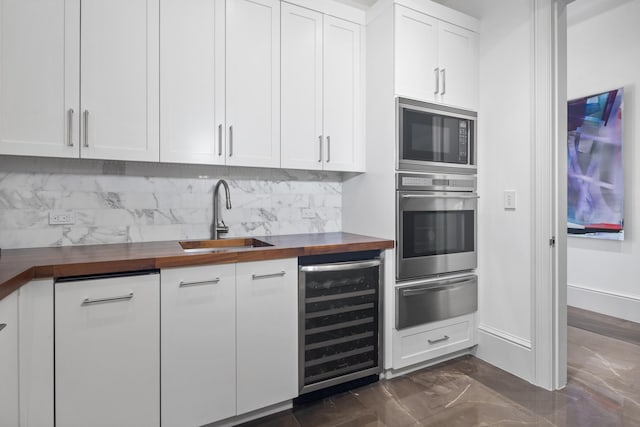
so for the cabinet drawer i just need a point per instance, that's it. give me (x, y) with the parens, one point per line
(434, 301)
(419, 344)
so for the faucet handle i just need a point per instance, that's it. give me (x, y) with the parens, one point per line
(221, 227)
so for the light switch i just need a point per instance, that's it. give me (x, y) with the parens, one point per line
(510, 199)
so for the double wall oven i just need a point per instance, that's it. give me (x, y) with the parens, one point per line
(436, 224)
(436, 213)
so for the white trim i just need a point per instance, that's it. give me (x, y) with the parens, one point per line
(560, 196)
(254, 415)
(333, 8)
(548, 302)
(614, 304)
(524, 343)
(393, 373)
(501, 351)
(430, 8)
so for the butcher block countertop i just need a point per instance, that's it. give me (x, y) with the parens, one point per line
(19, 266)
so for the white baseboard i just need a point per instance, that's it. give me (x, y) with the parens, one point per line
(503, 351)
(612, 304)
(254, 415)
(393, 373)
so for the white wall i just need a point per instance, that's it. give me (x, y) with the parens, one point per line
(505, 163)
(603, 54)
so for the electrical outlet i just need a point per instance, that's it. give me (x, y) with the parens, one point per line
(60, 217)
(308, 213)
(510, 199)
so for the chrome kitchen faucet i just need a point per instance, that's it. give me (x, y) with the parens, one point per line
(218, 226)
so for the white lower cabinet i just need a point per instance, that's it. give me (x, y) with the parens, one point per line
(9, 408)
(107, 359)
(35, 322)
(267, 333)
(198, 345)
(229, 340)
(429, 341)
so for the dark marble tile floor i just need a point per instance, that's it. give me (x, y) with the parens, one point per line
(603, 390)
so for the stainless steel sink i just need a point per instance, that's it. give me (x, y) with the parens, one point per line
(204, 246)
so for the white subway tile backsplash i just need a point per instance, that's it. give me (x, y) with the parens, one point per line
(117, 202)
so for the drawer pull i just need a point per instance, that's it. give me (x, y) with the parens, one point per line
(2, 326)
(203, 282)
(267, 276)
(444, 338)
(89, 301)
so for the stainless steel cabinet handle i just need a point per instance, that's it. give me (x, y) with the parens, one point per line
(230, 141)
(219, 140)
(340, 266)
(437, 74)
(424, 290)
(2, 326)
(267, 276)
(444, 338)
(86, 128)
(89, 301)
(200, 283)
(320, 149)
(444, 81)
(439, 196)
(70, 127)
(328, 149)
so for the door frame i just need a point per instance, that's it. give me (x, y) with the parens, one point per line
(549, 130)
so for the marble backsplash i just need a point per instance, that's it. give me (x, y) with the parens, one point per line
(117, 202)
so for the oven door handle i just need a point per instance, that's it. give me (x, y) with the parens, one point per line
(439, 196)
(424, 290)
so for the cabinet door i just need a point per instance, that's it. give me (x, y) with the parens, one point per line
(267, 333)
(301, 87)
(39, 77)
(120, 72)
(458, 65)
(198, 345)
(192, 81)
(9, 410)
(107, 352)
(253, 83)
(416, 47)
(343, 121)
(36, 354)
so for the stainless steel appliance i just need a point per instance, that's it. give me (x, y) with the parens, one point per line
(339, 319)
(436, 221)
(435, 300)
(435, 138)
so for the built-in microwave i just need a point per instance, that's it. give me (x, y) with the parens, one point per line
(435, 138)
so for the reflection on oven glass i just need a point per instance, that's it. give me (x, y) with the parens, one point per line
(429, 233)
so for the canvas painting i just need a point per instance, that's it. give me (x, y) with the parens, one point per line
(596, 185)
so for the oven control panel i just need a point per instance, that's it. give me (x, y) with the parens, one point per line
(431, 182)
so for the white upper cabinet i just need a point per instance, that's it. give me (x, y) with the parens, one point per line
(192, 81)
(120, 72)
(322, 117)
(435, 61)
(343, 120)
(39, 77)
(458, 62)
(253, 83)
(416, 63)
(301, 88)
